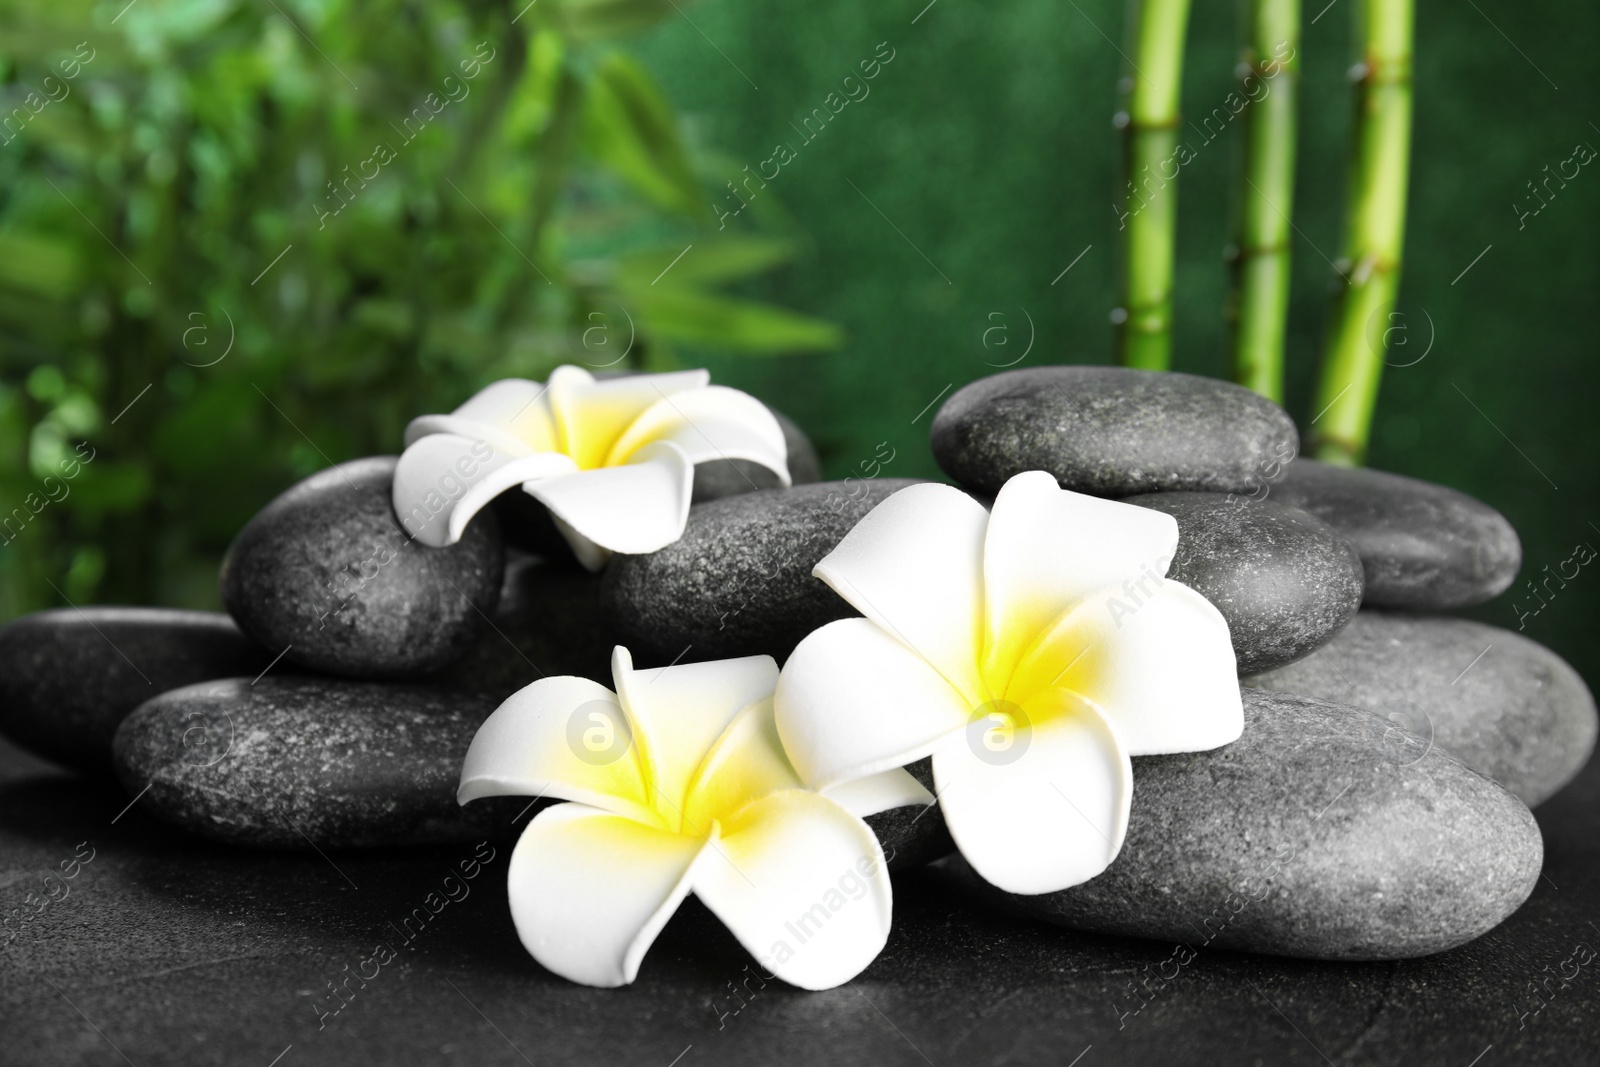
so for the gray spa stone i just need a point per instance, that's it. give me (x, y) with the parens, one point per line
(1307, 838)
(718, 478)
(69, 676)
(1504, 705)
(326, 575)
(296, 762)
(1285, 582)
(548, 624)
(1425, 547)
(738, 583)
(914, 835)
(1112, 431)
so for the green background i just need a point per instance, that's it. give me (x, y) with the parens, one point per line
(933, 220)
(988, 142)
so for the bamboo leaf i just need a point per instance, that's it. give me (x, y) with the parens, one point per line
(705, 262)
(632, 130)
(729, 324)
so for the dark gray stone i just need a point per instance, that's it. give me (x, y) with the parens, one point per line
(1307, 838)
(69, 676)
(1285, 581)
(1504, 705)
(717, 478)
(1425, 547)
(915, 835)
(292, 762)
(1112, 431)
(738, 583)
(548, 624)
(326, 572)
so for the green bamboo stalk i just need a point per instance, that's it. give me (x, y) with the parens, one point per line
(1374, 229)
(1150, 215)
(1269, 79)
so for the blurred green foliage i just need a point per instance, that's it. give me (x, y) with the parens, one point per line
(240, 239)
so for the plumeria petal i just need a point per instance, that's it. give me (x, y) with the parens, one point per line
(564, 737)
(879, 792)
(591, 890)
(802, 884)
(711, 423)
(1047, 548)
(913, 566)
(444, 479)
(590, 415)
(680, 712)
(635, 509)
(1047, 806)
(513, 415)
(1160, 667)
(852, 701)
(746, 763)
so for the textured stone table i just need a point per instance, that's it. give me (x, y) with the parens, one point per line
(169, 950)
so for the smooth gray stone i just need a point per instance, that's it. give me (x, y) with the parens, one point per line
(1285, 581)
(915, 835)
(69, 676)
(1112, 431)
(738, 582)
(295, 762)
(1425, 547)
(1504, 705)
(326, 574)
(718, 478)
(548, 624)
(1307, 838)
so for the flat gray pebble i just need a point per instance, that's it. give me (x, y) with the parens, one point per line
(738, 583)
(69, 676)
(1112, 431)
(1425, 547)
(1305, 838)
(1285, 582)
(297, 762)
(1504, 705)
(325, 574)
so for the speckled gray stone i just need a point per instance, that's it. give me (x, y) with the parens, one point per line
(1504, 705)
(1425, 547)
(326, 572)
(1285, 581)
(718, 478)
(288, 762)
(738, 582)
(1304, 838)
(914, 835)
(548, 624)
(1112, 431)
(68, 676)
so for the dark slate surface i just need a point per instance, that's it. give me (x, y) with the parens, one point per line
(179, 952)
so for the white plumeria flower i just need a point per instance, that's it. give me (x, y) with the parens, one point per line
(678, 783)
(1031, 650)
(612, 459)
